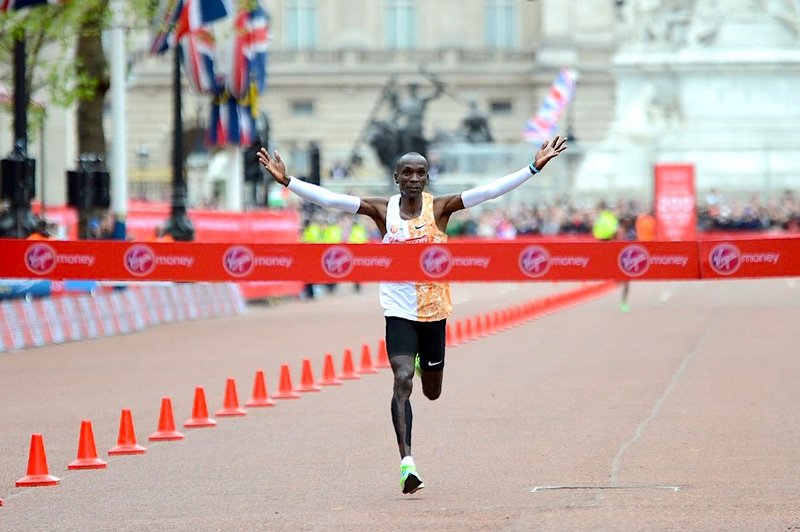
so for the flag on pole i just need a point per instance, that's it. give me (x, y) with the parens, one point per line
(181, 17)
(13, 5)
(230, 122)
(197, 57)
(545, 123)
(238, 75)
(248, 53)
(258, 28)
(242, 63)
(169, 12)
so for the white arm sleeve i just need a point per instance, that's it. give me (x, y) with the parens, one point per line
(496, 188)
(323, 196)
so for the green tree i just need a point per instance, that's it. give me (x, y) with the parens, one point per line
(74, 68)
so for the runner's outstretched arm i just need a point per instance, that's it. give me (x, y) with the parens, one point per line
(375, 208)
(447, 205)
(308, 191)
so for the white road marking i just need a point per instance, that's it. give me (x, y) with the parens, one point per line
(615, 464)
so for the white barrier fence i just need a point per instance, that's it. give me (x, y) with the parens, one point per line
(70, 318)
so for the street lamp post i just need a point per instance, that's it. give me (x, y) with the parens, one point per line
(17, 169)
(179, 225)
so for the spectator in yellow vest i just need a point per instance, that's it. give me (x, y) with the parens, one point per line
(607, 227)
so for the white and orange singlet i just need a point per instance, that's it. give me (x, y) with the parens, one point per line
(416, 301)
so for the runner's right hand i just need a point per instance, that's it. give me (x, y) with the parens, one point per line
(274, 165)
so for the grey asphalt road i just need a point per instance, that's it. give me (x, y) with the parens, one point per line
(681, 415)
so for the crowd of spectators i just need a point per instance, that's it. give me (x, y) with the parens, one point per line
(715, 212)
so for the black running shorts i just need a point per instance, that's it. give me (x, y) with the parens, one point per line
(406, 337)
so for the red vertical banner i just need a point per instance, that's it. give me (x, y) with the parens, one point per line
(675, 202)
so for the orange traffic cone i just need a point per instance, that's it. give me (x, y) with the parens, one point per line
(199, 411)
(348, 373)
(469, 334)
(479, 331)
(260, 395)
(328, 373)
(366, 361)
(166, 424)
(231, 405)
(458, 339)
(87, 452)
(487, 324)
(285, 389)
(126, 441)
(38, 474)
(307, 383)
(383, 356)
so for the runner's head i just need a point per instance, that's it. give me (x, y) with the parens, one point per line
(411, 174)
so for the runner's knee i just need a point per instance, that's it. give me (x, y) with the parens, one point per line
(403, 380)
(432, 392)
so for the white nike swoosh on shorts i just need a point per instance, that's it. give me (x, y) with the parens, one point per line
(434, 363)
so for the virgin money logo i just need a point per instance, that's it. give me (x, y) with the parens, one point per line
(140, 260)
(40, 259)
(337, 261)
(436, 261)
(534, 261)
(634, 260)
(725, 259)
(238, 261)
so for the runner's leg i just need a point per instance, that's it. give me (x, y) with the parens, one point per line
(401, 346)
(431, 355)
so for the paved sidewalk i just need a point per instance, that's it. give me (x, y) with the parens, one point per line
(680, 415)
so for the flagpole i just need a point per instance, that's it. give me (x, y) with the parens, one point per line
(179, 225)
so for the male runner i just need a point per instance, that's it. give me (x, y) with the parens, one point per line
(415, 312)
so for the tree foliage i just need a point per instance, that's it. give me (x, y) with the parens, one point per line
(65, 60)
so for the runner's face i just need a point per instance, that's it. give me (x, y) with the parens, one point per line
(412, 178)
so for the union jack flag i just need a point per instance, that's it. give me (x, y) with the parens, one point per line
(230, 123)
(169, 13)
(258, 27)
(197, 56)
(179, 17)
(249, 52)
(13, 5)
(545, 123)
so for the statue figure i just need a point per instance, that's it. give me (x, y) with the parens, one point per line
(475, 126)
(403, 131)
(409, 115)
(385, 140)
(676, 23)
(657, 22)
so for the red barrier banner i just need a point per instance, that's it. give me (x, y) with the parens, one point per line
(773, 257)
(483, 261)
(210, 226)
(675, 202)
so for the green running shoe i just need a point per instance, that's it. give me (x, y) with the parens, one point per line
(417, 368)
(409, 479)
(623, 306)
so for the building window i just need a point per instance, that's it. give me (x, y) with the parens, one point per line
(300, 25)
(500, 24)
(302, 107)
(500, 107)
(400, 24)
